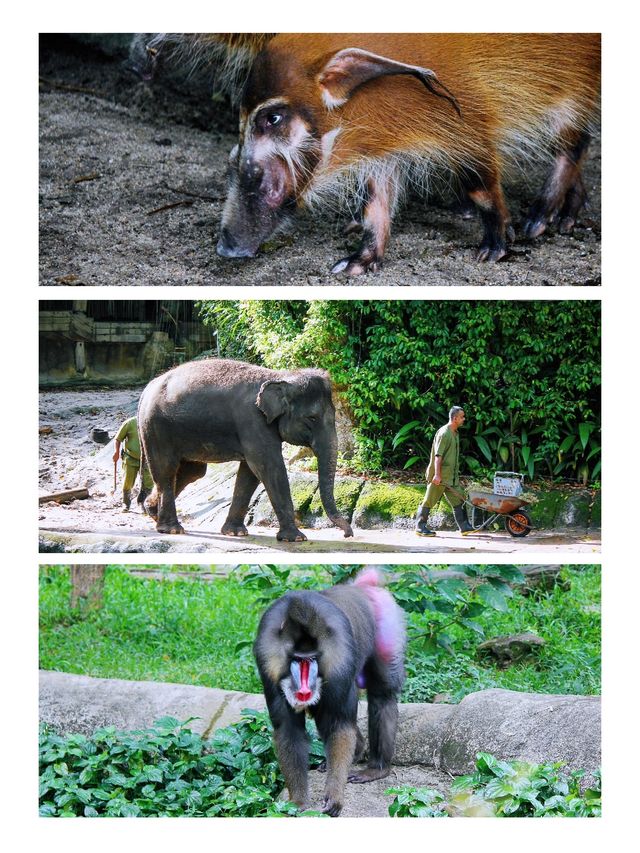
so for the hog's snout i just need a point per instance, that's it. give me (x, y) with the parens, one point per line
(228, 247)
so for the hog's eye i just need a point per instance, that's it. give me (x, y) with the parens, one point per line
(273, 119)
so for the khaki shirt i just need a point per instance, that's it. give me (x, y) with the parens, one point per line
(446, 444)
(128, 433)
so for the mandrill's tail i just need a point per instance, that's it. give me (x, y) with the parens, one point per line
(389, 618)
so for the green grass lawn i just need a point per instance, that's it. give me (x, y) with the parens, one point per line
(187, 630)
(151, 630)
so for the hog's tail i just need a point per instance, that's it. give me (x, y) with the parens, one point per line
(389, 618)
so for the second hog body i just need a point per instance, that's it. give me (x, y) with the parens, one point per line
(365, 115)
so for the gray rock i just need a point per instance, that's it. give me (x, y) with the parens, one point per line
(527, 726)
(78, 703)
(303, 487)
(512, 647)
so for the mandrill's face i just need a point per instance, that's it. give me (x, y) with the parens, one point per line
(302, 686)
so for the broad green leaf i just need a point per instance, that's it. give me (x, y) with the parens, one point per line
(492, 597)
(484, 447)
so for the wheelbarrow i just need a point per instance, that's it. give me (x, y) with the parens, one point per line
(505, 501)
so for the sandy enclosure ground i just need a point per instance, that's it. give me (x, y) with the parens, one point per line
(132, 183)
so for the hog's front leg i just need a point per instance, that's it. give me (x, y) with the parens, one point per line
(376, 226)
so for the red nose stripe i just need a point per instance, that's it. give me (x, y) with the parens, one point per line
(304, 694)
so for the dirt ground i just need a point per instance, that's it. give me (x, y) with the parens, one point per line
(70, 459)
(133, 183)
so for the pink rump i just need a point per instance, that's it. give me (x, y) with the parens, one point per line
(386, 613)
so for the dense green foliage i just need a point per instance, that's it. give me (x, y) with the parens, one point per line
(165, 770)
(196, 632)
(504, 789)
(169, 771)
(447, 619)
(527, 374)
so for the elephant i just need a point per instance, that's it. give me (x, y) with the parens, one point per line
(219, 410)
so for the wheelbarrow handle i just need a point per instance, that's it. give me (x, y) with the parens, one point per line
(456, 493)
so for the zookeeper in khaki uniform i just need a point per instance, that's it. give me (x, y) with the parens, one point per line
(444, 471)
(127, 439)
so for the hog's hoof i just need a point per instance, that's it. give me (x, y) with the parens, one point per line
(353, 227)
(174, 529)
(534, 228)
(355, 265)
(291, 534)
(229, 529)
(566, 225)
(492, 253)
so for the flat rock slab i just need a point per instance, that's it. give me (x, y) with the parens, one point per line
(151, 147)
(78, 703)
(67, 538)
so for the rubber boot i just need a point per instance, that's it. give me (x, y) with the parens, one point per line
(126, 501)
(142, 496)
(460, 515)
(422, 517)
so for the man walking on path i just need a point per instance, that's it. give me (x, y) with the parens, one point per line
(128, 439)
(443, 476)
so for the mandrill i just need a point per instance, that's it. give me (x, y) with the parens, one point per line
(314, 650)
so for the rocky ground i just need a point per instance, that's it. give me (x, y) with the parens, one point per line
(132, 183)
(69, 459)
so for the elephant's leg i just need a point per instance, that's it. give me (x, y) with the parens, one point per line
(189, 472)
(151, 503)
(165, 480)
(274, 476)
(246, 484)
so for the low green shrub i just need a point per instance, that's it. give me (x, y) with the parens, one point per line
(504, 789)
(166, 770)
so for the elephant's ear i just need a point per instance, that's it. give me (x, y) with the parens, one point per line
(273, 398)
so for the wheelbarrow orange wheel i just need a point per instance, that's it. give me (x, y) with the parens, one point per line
(518, 523)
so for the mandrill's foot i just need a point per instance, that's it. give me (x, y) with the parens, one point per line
(331, 807)
(231, 528)
(369, 774)
(357, 264)
(174, 528)
(290, 534)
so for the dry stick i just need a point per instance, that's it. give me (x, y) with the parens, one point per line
(185, 203)
(193, 195)
(90, 177)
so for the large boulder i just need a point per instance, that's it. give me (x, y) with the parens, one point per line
(528, 726)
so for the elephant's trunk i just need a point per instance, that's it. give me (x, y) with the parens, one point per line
(326, 477)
